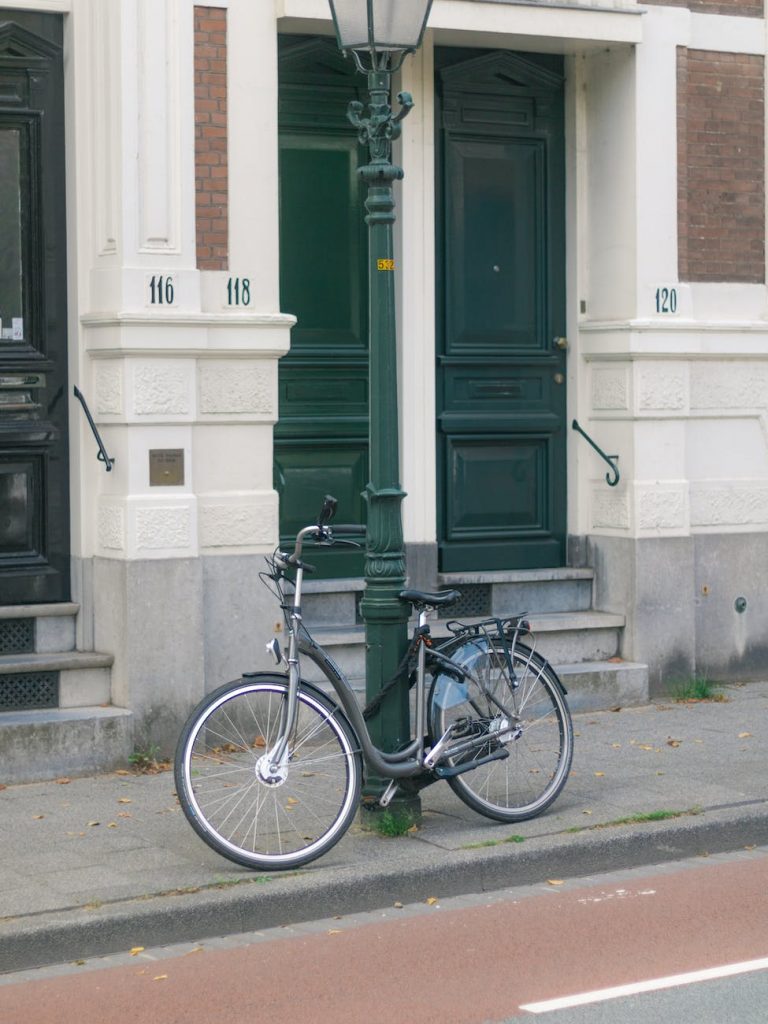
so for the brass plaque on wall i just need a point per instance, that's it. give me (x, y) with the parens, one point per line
(166, 467)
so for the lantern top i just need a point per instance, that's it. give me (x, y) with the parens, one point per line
(382, 28)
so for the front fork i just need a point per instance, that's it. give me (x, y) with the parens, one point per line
(273, 764)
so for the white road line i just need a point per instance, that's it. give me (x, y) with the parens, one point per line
(599, 995)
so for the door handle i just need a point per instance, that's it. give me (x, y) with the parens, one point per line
(561, 343)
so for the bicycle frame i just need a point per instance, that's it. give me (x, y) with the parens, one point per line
(401, 764)
(405, 763)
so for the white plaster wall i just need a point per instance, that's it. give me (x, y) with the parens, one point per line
(131, 214)
(170, 375)
(677, 394)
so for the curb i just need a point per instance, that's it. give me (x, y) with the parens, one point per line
(317, 892)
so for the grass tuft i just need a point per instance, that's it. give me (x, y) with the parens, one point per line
(697, 688)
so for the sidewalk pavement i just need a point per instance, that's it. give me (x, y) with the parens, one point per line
(103, 864)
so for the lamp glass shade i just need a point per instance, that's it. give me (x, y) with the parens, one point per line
(380, 24)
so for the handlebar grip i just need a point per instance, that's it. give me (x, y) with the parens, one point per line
(349, 528)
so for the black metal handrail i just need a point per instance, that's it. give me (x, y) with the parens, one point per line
(610, 459)
(102, 456)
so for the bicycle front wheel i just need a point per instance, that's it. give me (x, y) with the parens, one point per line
(522, 714)
(262, 821)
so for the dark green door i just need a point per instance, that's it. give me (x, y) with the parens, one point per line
(321, 440)
(501, 307)
(34, 494)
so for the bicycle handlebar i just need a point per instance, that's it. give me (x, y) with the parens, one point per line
(326, 533)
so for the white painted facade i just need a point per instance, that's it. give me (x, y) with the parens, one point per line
(681, 397)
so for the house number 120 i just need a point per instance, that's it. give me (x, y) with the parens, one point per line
(666, 300)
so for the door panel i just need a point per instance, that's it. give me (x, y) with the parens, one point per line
(34, 495)
(321, 440)
(501, 303)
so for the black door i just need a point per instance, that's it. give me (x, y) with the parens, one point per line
(34, 493)
(501, 311)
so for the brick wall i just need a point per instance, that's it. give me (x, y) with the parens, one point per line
(721, 166)
(212, 209)
(740, 8)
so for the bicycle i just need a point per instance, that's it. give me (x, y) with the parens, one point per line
(269, 768)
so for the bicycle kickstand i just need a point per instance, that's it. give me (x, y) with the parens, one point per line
(386, 797)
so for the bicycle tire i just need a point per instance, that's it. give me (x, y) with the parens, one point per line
(539, 747)
(260, 825)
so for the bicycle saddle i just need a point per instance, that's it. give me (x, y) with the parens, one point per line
(421, 598)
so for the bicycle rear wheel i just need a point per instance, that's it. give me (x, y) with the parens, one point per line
(294, 817)
(523, 714)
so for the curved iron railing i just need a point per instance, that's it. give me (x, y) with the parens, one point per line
(102, 455)
(610, 459)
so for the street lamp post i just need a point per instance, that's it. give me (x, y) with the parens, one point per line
(379, 34)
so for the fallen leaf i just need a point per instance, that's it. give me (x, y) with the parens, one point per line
(3, 785)
(124, 814)
(292, 800)
(136, 950)
(398, 905)
(112, 824)
(599, 774)
(79, 963)
(645, 746)
(334, 931)
(259, 742)
(615, 661)
(197, 949)
(122, 771)
(91, 824)
(63, 781)
(431, 900)
(616, 746)
(586, 812)
(750, 847)
(555, 881)
(124, 800)
(160, 977)
(38, 817)
(744, 735)
(674, 743)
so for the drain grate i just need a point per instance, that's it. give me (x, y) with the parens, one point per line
(28, 691)
(475, 602)
(17, 636)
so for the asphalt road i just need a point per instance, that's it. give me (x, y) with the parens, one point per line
(464, 960)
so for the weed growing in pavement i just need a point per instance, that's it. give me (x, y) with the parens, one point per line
(394, 823)
(147, 762)
(697, 688)
(494, 842)
(637, 819)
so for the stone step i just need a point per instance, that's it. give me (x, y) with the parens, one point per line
(524, 590)
(83, 678)
(602, 685)
(561, 637)
(49, 744)
(41, 628)
(336, 602)
(584, 645)
(591, 685)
